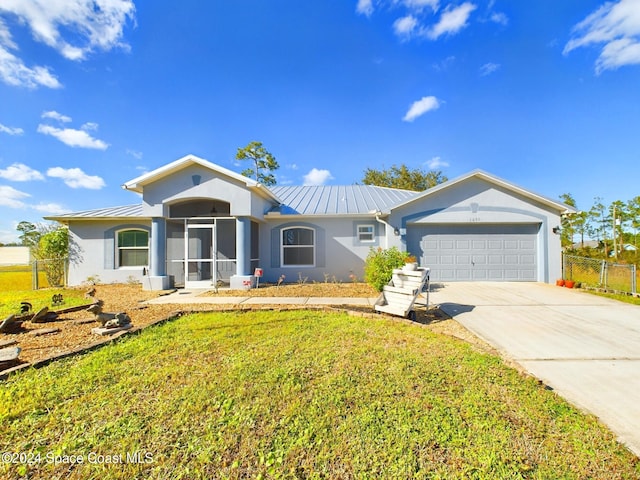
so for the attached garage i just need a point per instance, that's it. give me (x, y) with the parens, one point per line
(479, 227)
(476, 252)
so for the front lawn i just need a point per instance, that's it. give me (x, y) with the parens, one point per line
(295, 394)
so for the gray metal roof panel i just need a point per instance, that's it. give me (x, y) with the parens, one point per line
(336, 199)
(124, 211)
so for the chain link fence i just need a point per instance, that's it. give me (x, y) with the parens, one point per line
(591, 272)
(49, 273)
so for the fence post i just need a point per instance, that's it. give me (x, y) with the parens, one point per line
(633, 278)
(34, 275)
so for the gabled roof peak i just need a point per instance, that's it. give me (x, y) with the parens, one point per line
(138, 183)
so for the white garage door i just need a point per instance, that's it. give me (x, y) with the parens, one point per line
(476, 252)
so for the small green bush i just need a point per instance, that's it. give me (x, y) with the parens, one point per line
(379, 265)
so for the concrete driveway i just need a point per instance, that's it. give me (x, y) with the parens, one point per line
(585, 347)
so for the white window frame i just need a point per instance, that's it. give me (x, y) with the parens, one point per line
(283, 247)
(119, 248)
(372, 232)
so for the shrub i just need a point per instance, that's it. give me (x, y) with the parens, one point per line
(379, 265)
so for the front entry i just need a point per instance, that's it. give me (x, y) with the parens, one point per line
(200, 246)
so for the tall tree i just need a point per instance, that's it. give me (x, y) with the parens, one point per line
(633, 207)
(264, 164)
(567, 222)
(403, 177)
(598, 223)
(29, 234)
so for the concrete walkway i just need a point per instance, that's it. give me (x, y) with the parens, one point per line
(196, 297)
(585, 347)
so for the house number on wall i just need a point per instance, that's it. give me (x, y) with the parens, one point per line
(474, 219)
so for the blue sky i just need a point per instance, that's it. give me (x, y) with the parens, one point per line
(93, 93)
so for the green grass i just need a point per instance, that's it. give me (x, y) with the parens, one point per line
(15, 277)
(10, 300)
(297, 394)
(621, 297)
(15, 287)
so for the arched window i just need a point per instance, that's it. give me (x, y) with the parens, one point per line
(298, 247)
(133, 248)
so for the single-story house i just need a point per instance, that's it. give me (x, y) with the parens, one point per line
(200, 224)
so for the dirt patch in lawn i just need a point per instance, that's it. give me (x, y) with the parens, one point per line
(71, 332)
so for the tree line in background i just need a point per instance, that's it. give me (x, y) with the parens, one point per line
(602, 231)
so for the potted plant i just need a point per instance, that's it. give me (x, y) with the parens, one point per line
(410, 263)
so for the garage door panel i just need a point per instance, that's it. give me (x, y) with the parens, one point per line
(495, 275)
(510, 244)
(495, 259)
(476, 252)
(447, 245)
(463, 275)
(479, 260)
(527, 259)
(480, 274)
(463, 260)
(447, 274)
(446, 260)
(511, 259)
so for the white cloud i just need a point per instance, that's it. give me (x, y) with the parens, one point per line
(76, 178)
(134, 153)
(499, 18)
(19, 172)
(56, 116)
(50, 208)
(452, 20)
(14, 72)
(420, 107)
(93, 24)
(10, 197)
(317, 177)
(11, 130)
(444, 65)
(73, 137)
(615, 26)
(489, 68)
(365, 7)
(436, 163)
(420, 4)
(403, 27)
(90, 24)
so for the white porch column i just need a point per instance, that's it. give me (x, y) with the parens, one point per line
(158, 279)
(243, 279)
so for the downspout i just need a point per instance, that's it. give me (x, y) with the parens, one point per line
(386, 230)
